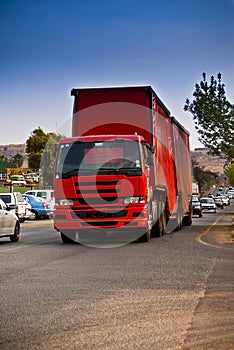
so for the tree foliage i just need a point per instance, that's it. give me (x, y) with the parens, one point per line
(37, 145)
(48, 160)
(17, 160)
(205, 179)
(213, 115)
(229, 172)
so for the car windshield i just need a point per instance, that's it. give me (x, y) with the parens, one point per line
(207, 200)
(17, 178)
(195, 199)
(6, 198)
(33, 198)
(91, 157)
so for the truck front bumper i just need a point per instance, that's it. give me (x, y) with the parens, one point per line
(104, 218)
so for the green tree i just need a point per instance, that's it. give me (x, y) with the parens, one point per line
(48, 160)
(229, 172)
(213, 115)
(205, 179)
(3, 158)
(34, 160)
(17, 160)
(41, 149)
(35, 147)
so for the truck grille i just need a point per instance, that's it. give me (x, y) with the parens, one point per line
(96, 192)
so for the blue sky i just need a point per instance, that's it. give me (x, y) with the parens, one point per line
(49, 47)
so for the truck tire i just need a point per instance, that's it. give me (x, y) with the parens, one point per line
(163, 224)
(188, 219)
(66, 239)
(146, 237)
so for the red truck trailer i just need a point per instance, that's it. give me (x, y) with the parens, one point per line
(126, 170)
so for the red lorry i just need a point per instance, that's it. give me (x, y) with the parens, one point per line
(126, 170)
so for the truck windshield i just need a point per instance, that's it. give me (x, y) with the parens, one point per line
(98, 157)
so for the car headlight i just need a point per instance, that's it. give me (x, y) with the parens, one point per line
(133, 200)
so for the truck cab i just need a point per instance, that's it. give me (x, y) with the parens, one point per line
(103, 177)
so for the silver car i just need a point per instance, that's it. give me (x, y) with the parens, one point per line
(9, 223)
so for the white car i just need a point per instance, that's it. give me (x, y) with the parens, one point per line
(208, 204)
(9, 223)
(16, 203)
(226, 200)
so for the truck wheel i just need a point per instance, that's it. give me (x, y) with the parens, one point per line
(163, 224)
(15, 237)
(66, 239)
(146, 237)
(159, 228)
(188, 219)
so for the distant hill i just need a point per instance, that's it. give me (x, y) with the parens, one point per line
(208, 162)
(199, 155)
(12, 149)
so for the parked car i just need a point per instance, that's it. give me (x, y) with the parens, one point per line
(31, 178)
(28, 214)
(47, 195)
(9, 223)
(18, 180)
(197, 207)
(218, 202)
(39, 207)
(208, 204)
(16, 203)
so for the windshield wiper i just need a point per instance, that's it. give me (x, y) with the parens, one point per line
(78, 171)
(108, 170)
(128, 171)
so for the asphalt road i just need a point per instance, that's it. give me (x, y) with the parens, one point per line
(174, 292)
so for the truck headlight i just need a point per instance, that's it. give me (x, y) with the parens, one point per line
(66, 202)
(133, 200)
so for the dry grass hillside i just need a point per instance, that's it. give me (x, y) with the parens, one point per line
(11, 150)
(208, 162)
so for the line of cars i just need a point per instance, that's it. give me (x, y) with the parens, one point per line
(211, 203)
(16, 208)
(23, 179)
